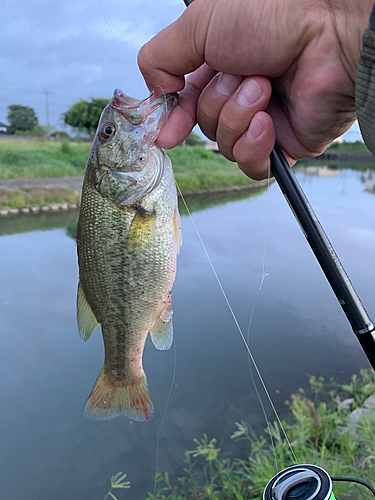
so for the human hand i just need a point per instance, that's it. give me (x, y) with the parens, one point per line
(259, 70)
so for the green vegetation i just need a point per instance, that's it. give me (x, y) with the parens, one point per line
(319, 435)
(85, 115)
(21, 118)
(44, 221)
(194, 140)
(196, 169)
(36, 131)
(117, 482)
(200, 202)
(30, 197)
(357, 147)
(32, 159)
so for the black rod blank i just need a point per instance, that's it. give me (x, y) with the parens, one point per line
(324, 252)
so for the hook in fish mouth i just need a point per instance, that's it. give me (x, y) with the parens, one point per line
(137, 111)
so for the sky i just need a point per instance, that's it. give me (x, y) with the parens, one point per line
(66, 48)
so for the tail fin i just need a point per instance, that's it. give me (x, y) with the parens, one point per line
(108, 400)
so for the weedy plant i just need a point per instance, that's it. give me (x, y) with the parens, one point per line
(117, 482)
(323, 433)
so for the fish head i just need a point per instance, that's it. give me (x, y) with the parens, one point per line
(128, 164)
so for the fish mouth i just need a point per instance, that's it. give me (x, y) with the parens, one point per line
(152, 110)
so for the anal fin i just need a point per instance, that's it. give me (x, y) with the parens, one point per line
(86, 320)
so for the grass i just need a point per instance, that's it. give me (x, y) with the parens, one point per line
(33, 159)
(196, 169)
(318, 435)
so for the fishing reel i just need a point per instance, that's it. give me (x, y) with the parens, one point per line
(305, 482)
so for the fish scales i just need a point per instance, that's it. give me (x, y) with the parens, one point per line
(127, 258)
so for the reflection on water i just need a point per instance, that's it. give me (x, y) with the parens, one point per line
(38, 222)
(49, 450)
(197, 203)
(68, 220)
(324, 171)
(369, 180)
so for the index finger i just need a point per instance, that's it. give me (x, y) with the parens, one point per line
(177, 50)
(184, 117)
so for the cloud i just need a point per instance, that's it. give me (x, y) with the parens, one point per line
(67, 48)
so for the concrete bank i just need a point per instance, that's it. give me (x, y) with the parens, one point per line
(75, 183)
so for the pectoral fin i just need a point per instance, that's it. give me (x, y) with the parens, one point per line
(141, 233)
(86, 320)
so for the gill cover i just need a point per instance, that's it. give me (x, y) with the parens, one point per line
(130, 165)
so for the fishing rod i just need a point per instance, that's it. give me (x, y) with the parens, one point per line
(309, 482)
(323, 250)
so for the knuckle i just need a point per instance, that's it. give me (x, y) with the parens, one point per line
(207, 113)
(142, 58)
(229, 125)
(242, 158)
(226, 152)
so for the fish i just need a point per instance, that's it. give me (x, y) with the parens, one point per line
(128, 238)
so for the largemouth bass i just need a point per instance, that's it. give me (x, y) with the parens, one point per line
(128, 238)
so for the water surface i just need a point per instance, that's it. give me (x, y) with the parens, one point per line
(49, 450)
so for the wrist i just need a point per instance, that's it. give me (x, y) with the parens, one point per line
(350, 19)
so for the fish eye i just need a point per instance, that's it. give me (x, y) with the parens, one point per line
(107, 130)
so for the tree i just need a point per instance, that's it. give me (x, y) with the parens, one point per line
(194, 140)
(21, 118)
(36, 131)
(85, 114)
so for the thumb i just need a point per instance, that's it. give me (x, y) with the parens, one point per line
(177, 50)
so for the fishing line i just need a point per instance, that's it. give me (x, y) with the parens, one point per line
(237, 325)
(164, 414)
(113, 36)
(264, 275)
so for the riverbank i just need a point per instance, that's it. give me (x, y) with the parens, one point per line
(42, 175)
(330, 425)
(32, 196)
(47, 174)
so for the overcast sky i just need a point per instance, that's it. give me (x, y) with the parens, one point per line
(66, 47)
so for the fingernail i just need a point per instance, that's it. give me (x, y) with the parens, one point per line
(255, 129)
(250, 93)
(226, 85)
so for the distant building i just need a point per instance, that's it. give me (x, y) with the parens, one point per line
(3, 128)
(211, 146)
(339, 139)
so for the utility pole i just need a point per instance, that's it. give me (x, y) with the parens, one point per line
(47, 112)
